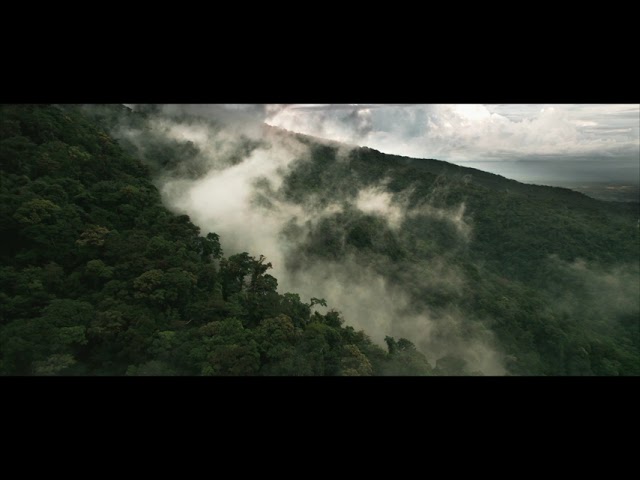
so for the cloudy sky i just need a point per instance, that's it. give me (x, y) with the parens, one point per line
(597, 142)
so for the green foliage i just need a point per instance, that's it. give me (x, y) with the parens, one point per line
(355, 363)
(405, 360)
(230, 349)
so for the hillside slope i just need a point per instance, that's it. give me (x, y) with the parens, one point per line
(479, 271)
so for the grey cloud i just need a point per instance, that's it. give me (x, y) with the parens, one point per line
(479, 133)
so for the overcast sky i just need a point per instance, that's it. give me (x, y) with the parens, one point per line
(525, 142)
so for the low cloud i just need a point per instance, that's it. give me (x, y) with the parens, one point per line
(380, 202)
(597, 292)
(240, 196)
(553, 134)
(380, 307)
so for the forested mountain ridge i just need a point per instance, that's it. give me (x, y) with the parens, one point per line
(552, 273)
(482, 273)
(509, 218)
(98, 277)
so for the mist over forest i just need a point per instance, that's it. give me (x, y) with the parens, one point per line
(377, 263)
